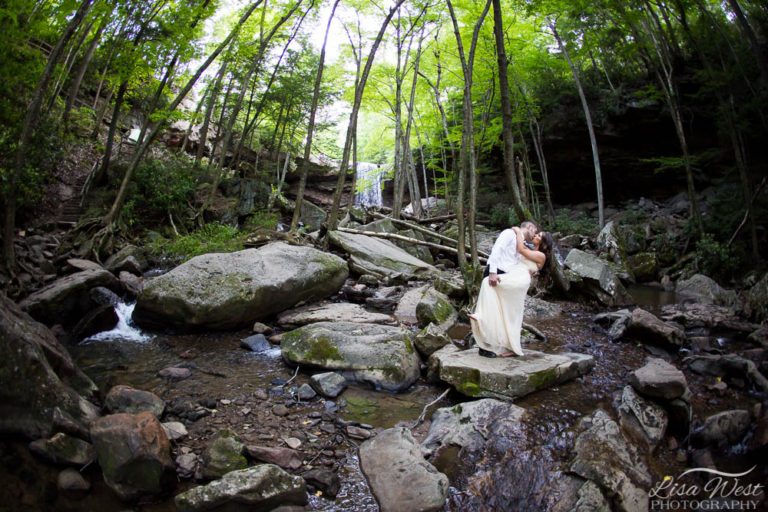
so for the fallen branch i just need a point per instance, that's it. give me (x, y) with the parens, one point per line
(533, 330)
(746, 213)
(425, 231)
(423, 414)
(391, 236)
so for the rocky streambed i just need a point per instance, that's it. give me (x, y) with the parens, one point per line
(370, 398)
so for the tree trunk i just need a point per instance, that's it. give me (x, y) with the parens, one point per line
(351, 127)
(74, 89)
(506, 114)
(215, 88)
(590, 128)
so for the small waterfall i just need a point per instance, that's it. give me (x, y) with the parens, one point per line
(369, 182)
(125, 330)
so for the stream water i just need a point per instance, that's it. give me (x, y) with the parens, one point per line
(516, 471)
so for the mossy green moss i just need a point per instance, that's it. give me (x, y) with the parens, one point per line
(442, 311)
(409, 345)
(544, 378)
(323, 349)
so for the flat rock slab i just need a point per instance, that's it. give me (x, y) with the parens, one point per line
(508, 377)
(331, 312)
(381, 258)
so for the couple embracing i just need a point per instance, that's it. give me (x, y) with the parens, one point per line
(517, 254)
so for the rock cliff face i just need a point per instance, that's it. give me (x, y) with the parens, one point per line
(41, 383)
(228, 291)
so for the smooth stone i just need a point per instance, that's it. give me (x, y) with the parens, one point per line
(175, 430)
(331, 312)
(256, 343)
(223, 454)
(175, 373)
(64, 449)
(659, 379)
(328, 384)
(123, 398)
(305, 392)
(286, 458)
(72, 483)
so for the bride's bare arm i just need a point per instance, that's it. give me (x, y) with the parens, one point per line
(538, 257)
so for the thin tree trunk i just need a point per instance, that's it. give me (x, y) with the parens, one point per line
(112, 131)
(216, 87)
(535, 129)
(74, 89)
(590, 128)
(311, 125)
(506, 114)
(334, 214)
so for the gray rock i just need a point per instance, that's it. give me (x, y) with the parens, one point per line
(466, 425)
(659, 379)
(82, 264)
(132, 283)
(226, 291)
(128, 259)
(99, 319)
(324, 480)
(435, 307)
(418, 251)
(591, 499)
(46, 378)
(597, 278)
(509, 377)
(104, 296)
(64, 449)
(431, 339)
(724, 428)
(451, 284)
(260, 328)
(305, 392)
(223, 454)
(123, 398)
(611, 246)
(312, 216)
(705, 290)
(328, 384)
(261, 487)
(379, 257)
(406, 307)
(728, 365)
(134, 454)
(399, 476)
(358, 433)
(72, 483)
(538, 309)
(602, 455)
(650, 329)
(66, 300)
(381, 355)
(645, 266)
(645, 421)
(175, 373)
(757, 300)
(186, 465)
(286, 458)
(256, 343)
(175, 430)
(331, 312)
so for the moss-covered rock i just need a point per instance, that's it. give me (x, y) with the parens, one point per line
(223, 454)
(435, 307)
(39, 378)
(380, 355)
(227, 291)
(509, 377)
(645, 266)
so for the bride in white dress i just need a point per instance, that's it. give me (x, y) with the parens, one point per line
(498, 317)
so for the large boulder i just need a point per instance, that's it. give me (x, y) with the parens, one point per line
(704, 290)
(330, 312)
(642, 419)
(405, 313)
(227, 291)
(66, 300)
(312, 216)
(648, 328)
(612, 246)
(134, 454)
(40, 379)
(467, 425)
(435, 308)
(378, 257)
(399, 476)
(381, 355)
(262, 487)
(419, 251)
(431, 339)
(602, 455)
(757, 300)
(509, 377)
(724, 428)
(538, 309)
(596, 278)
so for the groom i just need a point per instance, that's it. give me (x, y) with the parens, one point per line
(504, 252)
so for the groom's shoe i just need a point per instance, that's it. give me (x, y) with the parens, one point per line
(486, 353)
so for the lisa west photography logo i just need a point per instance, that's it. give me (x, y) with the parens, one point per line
(707, 489)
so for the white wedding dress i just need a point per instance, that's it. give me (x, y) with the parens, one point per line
(498, 316)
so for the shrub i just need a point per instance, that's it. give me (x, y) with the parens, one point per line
(212, 237)
(161, 186)
(715, 259)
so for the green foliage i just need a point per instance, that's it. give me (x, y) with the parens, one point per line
(715, 259)
(570, 223)
(262, 219)
(210, 238)
(502, 216)
(161, 186)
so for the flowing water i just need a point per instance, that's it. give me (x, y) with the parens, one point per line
(369, 178)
